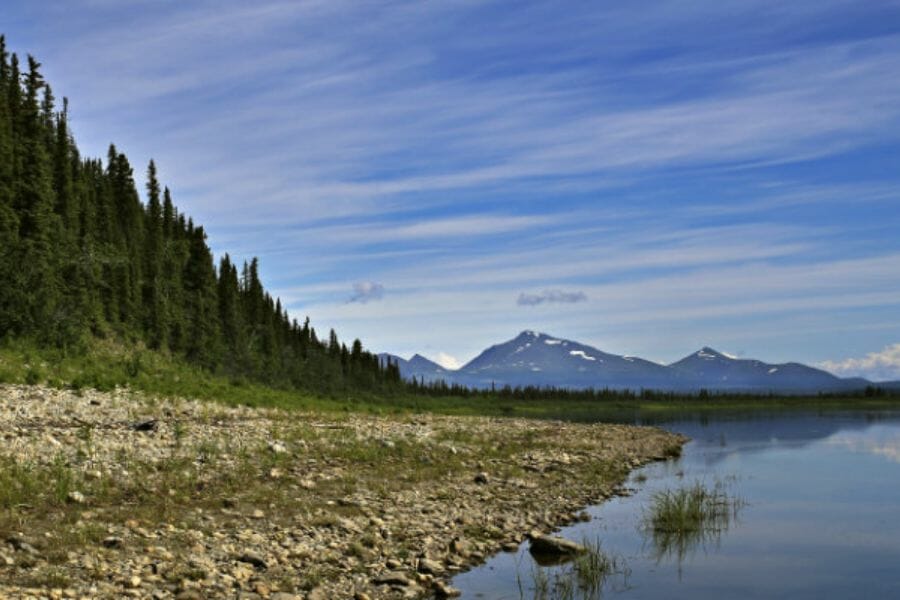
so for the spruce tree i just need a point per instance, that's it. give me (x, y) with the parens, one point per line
(33, 198)
(155, 313)
(9, 221)
(201, 306)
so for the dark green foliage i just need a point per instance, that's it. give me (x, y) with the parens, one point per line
(82, 257)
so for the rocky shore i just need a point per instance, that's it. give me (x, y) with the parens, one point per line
(112, 495)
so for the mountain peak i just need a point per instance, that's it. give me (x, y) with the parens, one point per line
(711, 353)
(420, 362)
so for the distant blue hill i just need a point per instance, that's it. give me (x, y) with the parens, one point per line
(538, 359)
(418, 367)
(714, 370)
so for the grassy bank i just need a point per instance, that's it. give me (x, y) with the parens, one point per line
(105, 365)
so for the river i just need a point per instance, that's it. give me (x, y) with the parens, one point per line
(819, 517)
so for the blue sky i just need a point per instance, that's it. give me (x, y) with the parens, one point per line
(435, 177)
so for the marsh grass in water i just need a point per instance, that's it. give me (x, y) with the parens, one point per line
(583, 578)
(682, 520)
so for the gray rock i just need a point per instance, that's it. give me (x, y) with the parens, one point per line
(146, 426)
(21, 544)
(432, 567)
(549, 545)
(76, 498)
(443, 590)
(252, 558)
(112, 542)
(461, 547)
(482, 478)
(318, 594)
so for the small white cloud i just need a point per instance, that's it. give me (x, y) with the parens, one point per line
(556, 296)
(366, 291)
(447, 361)
(878, 366)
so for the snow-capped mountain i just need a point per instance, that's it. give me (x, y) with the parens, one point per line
(710, 369)
(534, 358)
(538, 359)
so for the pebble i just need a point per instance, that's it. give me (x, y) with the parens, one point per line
(277, 448)
(431, 567)
(444, 590)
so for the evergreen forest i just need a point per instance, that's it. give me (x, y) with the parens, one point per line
(83, 258)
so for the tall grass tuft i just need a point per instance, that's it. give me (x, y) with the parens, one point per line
(683, 519)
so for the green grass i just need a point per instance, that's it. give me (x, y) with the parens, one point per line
(105, 365)
(26, 484)
(690, 509)
(686, 518)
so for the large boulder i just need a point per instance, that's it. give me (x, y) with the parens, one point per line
(552, 546)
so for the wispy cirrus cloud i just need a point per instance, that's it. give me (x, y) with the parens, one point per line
(323, 124)
(700, 168)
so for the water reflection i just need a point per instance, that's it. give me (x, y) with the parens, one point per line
(880, 441)
(822, 497)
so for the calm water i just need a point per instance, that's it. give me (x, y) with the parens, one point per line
(821, 520)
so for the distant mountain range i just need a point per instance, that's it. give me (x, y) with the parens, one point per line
(538, 359)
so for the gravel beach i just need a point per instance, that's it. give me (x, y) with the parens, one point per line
(111, 495)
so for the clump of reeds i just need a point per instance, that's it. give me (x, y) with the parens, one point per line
(682, 519)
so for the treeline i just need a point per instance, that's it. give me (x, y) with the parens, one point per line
(81, 256)
(440, 388)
